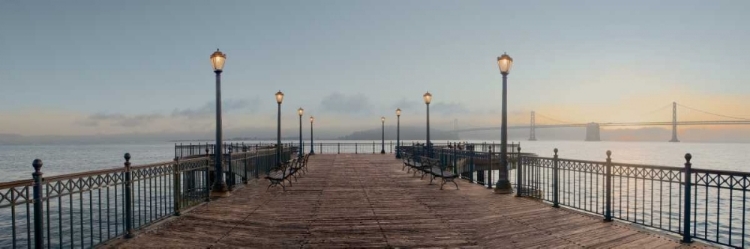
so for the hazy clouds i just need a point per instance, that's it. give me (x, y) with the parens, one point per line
(209, 109)
(356, 104)
(137, 122)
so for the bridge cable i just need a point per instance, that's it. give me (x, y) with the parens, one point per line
(657, 110)
(720, 115)
(553, 119)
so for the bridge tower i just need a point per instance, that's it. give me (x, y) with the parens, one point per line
(592, 132)
(532, 133)
(674, 123)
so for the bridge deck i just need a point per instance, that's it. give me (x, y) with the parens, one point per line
(367, 201)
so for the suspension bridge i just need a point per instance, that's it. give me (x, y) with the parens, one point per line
(593, 128)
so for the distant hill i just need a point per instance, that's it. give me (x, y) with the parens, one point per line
(407, 133)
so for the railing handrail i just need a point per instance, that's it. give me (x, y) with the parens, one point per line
(724, 172)
(18, 183)
(604, 162)
(647, 166)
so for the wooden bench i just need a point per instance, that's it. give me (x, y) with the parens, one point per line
(409, 162)
(283, 173)
(439, 170)
(299, 166)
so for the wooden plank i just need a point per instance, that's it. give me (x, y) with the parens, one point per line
(367, 201)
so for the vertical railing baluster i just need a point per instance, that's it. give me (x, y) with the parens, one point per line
(128, 199)
(338, 148)
(38, 208)
(608, 188)
(686, 237)
(555, 181)
(177, 186)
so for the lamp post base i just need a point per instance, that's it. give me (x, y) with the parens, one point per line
(382, 151)
(220, 191)
(312, 153)
(503, 187)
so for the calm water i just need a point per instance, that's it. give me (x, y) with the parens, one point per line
(15, 161)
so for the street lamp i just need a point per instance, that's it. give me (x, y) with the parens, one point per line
(382, 135)
(398, 133)
(427, 99)
(312, 148)
(502, 186)
(279, 99)
(300, 111)
(220, 186)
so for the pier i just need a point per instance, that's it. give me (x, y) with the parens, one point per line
(366, 200)
(349, 195)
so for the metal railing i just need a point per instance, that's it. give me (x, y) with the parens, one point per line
(477, 163)
(86, 209)
(703, 204)
(374, 147)
(191, 150)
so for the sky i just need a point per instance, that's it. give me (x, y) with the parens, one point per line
(118, 67)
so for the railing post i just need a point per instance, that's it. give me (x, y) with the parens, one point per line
(230, 172)
(257, 162)
(489, 169)
(355, 148)
(686, 237)
(247, 161)
(38, 207)
(519, 164)
(471, 165)
(128, 199)
(208, 176)
(338, 148)
(455, 161)
(608, 188)
(177, 186)
(555, 181)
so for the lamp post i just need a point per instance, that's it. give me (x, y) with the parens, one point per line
(220, 186)
(503, 186)
(382, 135)
(427, 99)
(300, 111)
(312, 148)
(398, 133)
(279, 99)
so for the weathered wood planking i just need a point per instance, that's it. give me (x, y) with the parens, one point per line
(367, 201)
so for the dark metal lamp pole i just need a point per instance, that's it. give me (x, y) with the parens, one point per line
(220, 186)
(427, 99)
(312, 148)
(382, 135)
(398, 133)
(279, 99)
(300, 111)
(503, 186)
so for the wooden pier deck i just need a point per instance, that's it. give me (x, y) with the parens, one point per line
(357, 201)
